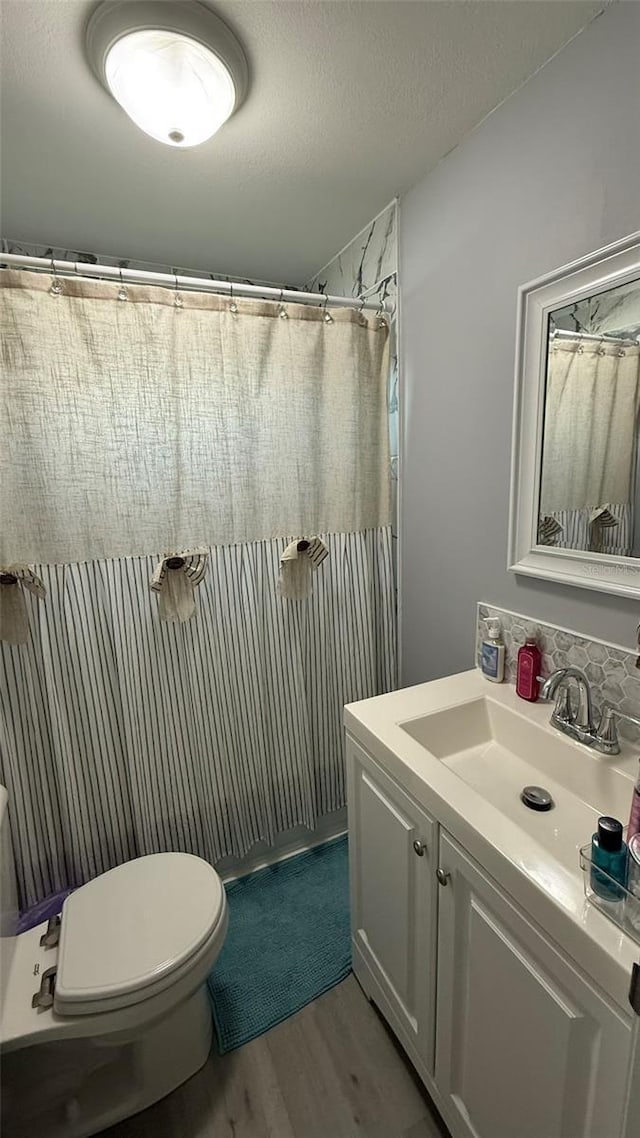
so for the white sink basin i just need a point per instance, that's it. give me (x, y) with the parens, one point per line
(498, 752)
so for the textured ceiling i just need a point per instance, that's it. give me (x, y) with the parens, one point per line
(349, 104)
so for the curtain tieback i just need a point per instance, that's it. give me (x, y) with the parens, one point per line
(300, 559)
(14, 619)
(174, 579)
(603, 517)
(600, 519)
(548, 530)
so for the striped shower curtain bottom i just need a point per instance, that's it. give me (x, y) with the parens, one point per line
(121, 735)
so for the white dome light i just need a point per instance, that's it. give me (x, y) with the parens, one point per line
(172, 87)
(177, 70)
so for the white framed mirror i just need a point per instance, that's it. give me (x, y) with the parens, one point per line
(575, 466)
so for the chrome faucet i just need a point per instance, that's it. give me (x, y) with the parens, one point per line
(558, 682)
(579, 724)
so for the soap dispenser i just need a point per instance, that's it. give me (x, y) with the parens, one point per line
(492, 655)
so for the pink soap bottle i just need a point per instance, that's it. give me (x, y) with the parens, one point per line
(634, 817)
(529, 662)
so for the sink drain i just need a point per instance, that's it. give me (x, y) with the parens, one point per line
(537, 798)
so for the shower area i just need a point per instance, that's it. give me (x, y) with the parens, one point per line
(196, 562)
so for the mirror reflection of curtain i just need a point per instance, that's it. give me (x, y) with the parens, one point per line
(589, 448)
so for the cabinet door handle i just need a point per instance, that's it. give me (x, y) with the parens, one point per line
(634, 989)
(419, 847)
(443, 877)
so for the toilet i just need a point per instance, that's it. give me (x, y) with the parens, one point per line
(105, 1009)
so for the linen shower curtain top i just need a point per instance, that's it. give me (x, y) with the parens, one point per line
(590, 424)
(126, 427)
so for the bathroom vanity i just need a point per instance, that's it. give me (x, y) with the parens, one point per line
(471, 931)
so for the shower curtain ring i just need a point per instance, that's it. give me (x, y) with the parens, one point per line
(233, 307)
(282, 312)
(327, 317)
(361, 316)
(122, 291)
(56, 287)
(178, 301)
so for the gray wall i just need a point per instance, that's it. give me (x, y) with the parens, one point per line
(551, 175)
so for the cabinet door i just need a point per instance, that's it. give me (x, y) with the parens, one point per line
(393, 847)
(526, 1046)
(631, 1127)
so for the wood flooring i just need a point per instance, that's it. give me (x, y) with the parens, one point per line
(331, 1071)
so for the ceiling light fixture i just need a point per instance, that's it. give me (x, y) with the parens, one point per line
(175, 68)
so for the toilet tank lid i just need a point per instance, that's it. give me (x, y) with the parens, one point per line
(132, 925)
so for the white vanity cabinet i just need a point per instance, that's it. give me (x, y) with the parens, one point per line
(525, 1045)
(393, 856)
(510, 1038)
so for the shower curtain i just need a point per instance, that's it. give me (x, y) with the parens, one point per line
(589, 451)
(135, 429)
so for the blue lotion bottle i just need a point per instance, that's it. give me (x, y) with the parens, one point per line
(609, 852)
(492, 652)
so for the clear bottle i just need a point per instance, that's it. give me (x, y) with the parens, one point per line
(632, 908)
(609, 853)
(634, 817)
(492, 656)
(529, 663)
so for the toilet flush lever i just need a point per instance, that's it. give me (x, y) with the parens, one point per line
(43, 998)
(52, 935)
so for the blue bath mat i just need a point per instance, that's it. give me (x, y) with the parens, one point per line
(288, 942)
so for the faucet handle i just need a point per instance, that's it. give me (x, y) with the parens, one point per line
(606, 737)
(562, 712)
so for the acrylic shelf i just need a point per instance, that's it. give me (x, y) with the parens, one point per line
(622, 902)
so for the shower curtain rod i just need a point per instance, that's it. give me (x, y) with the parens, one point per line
(608, 337)
(182, 283)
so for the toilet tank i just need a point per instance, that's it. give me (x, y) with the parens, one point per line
(8, 896)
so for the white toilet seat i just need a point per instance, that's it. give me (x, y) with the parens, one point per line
(135, 931)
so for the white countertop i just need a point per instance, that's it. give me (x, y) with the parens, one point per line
(551, 894)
